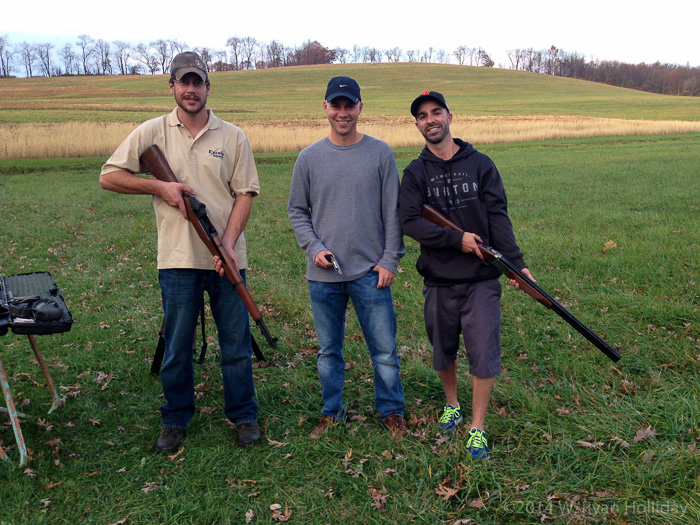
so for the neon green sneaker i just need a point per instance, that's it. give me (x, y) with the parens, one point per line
(477, 444)
(450, 418)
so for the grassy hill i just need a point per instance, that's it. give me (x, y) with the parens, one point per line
(297, 92)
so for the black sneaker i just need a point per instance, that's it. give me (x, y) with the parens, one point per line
(248, 434)
(169, 440)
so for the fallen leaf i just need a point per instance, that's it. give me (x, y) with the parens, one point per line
(52, 485)
(174, 456)
(477, 504)
(150, 486)
(644, 433)
(620, 441)
(589, 445)
(249, 515)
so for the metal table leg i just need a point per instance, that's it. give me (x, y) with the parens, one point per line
(14, 417)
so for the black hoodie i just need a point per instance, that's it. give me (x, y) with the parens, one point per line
(468, 190)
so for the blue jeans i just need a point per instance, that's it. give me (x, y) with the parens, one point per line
(375, 311)
(182, 291)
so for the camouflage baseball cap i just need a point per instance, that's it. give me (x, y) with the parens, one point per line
(189, 62)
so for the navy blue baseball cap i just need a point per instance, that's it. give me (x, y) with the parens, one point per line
(343, 87)
(428, 95)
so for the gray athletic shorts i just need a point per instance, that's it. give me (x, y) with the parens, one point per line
(474, 309)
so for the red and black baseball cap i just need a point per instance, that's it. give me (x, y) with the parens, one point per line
(428, 95)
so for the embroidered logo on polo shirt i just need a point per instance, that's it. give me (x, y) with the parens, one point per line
(217, 153)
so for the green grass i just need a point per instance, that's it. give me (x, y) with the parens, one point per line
(557, 392)
(297, 92)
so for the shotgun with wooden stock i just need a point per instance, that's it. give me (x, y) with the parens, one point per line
(511, 271)
(155, 163)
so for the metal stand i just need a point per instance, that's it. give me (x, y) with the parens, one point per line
(12, 410)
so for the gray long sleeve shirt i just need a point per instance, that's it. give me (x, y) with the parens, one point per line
(344, 199)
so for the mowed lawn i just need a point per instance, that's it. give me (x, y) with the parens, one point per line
(609, 227)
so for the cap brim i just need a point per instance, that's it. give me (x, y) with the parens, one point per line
(345, 94)
(422, 98)
(182, 72)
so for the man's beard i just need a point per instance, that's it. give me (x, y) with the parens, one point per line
(437, 139)
(192, 110)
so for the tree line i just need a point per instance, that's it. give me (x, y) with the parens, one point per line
(89, 56)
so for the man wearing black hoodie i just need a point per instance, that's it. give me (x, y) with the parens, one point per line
(462, 292)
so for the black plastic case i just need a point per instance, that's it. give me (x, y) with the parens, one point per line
(31, 285)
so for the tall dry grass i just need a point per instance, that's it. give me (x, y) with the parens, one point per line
(77, 139)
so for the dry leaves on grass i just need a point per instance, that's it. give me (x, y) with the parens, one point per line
(378, 497)
(277, 513)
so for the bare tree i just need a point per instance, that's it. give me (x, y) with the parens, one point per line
(28, 54)
(4, 58)
(147, 58)
(412, 55)
(249, 45)
(442, 57)
(103, 57)
(121, 54)
(428, 55)
(341, 55)
(163, 52)
(393, 54)
(235, 45)
(274, 53)
(515, 56)
(69, 59)
(358, 54)
(373, 55)
(43, 53)
(552, 61)
(460, 54)
(484, 58)
(85, 43)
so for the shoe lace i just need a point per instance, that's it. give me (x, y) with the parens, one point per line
(449, 414)
(477, 439)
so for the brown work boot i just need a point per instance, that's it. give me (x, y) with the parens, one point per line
(326, 421)
(396, 425)
(169, 440)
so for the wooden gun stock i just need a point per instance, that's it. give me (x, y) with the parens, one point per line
(156, 164)
(511, 271)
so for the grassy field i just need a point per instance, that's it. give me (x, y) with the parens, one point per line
(280, 109)
(609, 226)
(297, 93)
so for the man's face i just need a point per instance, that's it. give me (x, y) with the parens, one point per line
(433, 121)
(190, 93)
(342, 115)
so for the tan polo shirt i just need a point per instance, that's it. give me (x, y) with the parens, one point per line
(218, 164)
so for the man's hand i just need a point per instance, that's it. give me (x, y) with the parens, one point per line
(469, 244)
(171, 193)
(219, 264)
(386, 278)
(527, 274)
(320, 260)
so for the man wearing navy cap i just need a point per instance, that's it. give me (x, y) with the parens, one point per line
(342, 206)
(462, 293)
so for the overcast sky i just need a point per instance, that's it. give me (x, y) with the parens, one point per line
(623, 30)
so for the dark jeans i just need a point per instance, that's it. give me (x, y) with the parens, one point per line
(182, 291)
